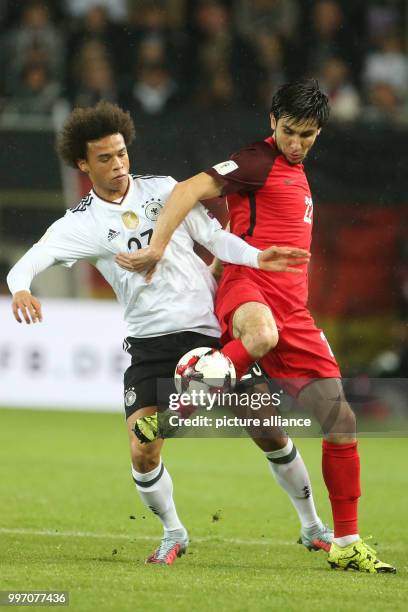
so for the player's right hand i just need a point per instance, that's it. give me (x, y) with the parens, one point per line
(26, 307)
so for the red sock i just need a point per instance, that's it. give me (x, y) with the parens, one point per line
(341, 473)
(239, 356)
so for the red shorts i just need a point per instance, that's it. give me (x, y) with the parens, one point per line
(302, 352)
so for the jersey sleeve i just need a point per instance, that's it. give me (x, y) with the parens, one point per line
(246, 170)
(65, 242)
(68, 241)
(204, 228)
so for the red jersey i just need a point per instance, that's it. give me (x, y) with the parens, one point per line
(270, 203)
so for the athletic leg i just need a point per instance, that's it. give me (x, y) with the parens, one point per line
(341, 471)
(153, 359)
(255, 333)
(155, 487)
(341, 462)
(289, 470)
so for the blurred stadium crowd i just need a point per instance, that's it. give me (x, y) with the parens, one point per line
(173, 59)
(151, 56)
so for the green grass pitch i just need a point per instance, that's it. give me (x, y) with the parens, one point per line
(71, 520)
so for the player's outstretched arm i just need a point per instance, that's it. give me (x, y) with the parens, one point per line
(26, 307)
(183, 198)
(63, 243)
(229, 248)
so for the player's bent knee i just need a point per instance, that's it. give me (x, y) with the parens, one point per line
(261, 340)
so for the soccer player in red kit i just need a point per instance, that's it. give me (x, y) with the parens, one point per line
(264, 317)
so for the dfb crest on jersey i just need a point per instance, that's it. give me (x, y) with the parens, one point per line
(130, 396)
(152, 210)
(130, 219)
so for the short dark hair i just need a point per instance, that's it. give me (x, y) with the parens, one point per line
(301, 100)
(92, 123)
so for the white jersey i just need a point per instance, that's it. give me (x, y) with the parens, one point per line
(181, 293)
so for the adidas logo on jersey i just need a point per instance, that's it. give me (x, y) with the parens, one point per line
(112, 234)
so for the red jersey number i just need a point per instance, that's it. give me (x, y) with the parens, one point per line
(309, 210)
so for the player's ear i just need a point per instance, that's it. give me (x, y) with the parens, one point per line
(82, 165)
(273, 122)
(319, 130)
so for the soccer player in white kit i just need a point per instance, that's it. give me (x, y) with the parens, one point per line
(166, 317)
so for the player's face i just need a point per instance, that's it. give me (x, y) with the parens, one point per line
(107, 166)
(294, 139)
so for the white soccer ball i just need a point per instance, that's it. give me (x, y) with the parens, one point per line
(204, 369)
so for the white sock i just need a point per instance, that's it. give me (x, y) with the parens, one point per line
(290, 472)
(346, 540)
(156, 490)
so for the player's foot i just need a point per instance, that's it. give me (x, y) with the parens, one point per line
(316, 538)
(161, 425)
(150, 428)
(173, 545)
(359, 557)
(146, 428)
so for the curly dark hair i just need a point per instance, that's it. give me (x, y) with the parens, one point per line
(301, 100)
(92, 123)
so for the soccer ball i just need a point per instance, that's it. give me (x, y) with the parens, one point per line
(204, 369)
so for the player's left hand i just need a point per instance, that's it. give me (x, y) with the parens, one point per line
(283, 259)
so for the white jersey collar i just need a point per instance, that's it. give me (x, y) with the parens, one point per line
(123, 205)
